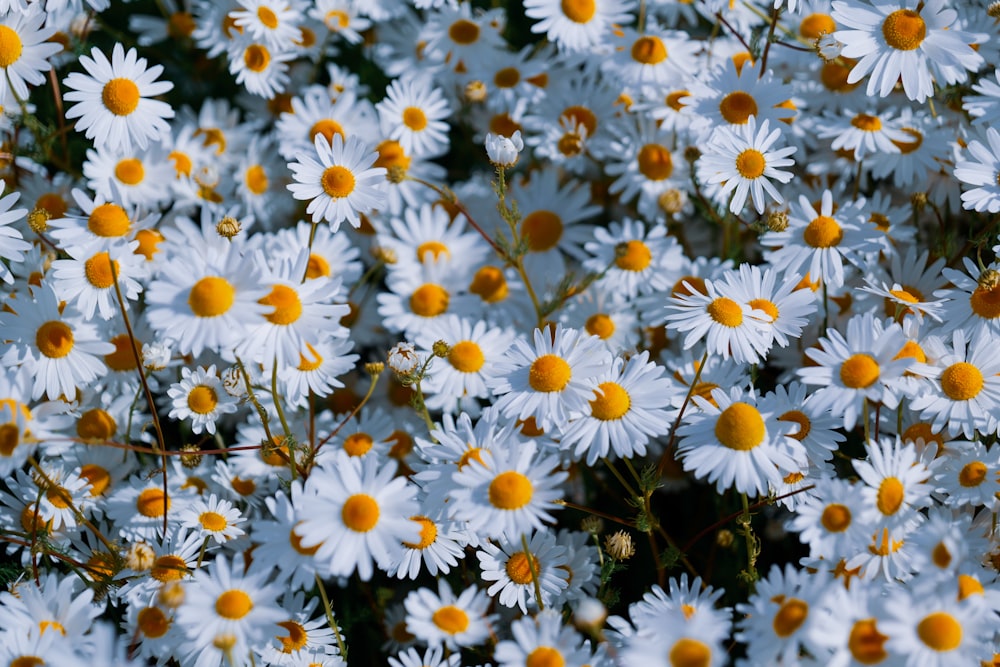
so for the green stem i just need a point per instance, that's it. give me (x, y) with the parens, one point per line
(330, 619)
(533, 568)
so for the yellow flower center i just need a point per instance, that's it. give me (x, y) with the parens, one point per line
(508, 77)
(489, 284)
(466, 357)
(750, 163)
(435, 248)
(815, 26)
(98, 270)
(202, 400)
(972, 474)
(168, 568)
(181, 24)
(53, 203)
(256, 179)
(791, 615)
(687, 652)
(940, 555)
(463, 32)
(866, 642)
(600, 325)
(867, 123)
(612, 402)
(767, 306)
(234, 604)
(737, 107)
(318, 267)
(428, 533)
(152, 622)
(859, 371)
(391, 154)
(578, 11)
(96, 424)
(10, 46)
(655, 162)
(310, 364)
(962, 381)
(414, 118)
(120, 96)
(296, 638)
(358, 444)
(212, 521)
(541, 230)
(326, 127)
(27, 661)
(969, 585)
(940, 631)
(823, 232)
(256, 57)
(122, 359)
(916, 140)
(296, 542)
(635, 257)
(836, 517)
(149, 240)
(130, 171)
(800, 418)
(545, 656)
(549, 373)
(98, 477)
(890, 496)
(211, 296)
(472, 454)
(54, 339)
(725, 311)
(580, 115)
(904, 29)
(740, 427)
(673, 100)
(152, 503)
(649, 50)
(108, 220)
(337, 181)
(287, 306)
(986, 302)
(429, 300)
(360, 512)
(450, 619)
(267, 17)
(510, 490)
(519, 569)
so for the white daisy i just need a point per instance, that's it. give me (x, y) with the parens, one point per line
(12, 243)
(341, 184)
(577, 25)
(201, 397)
(24, 50)
(88, 281)
(413, 113)
(213, 518)
(112, 100)
(513, 571)
(743, 162)
(444, 618)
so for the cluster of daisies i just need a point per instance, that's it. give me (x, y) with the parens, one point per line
(438, 272)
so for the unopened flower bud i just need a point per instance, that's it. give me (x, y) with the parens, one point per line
(191, 458)
(503, 151)
(155, 356)
(993, 11)
(396, 174)
(228, 227)
(384, 255)
(232, 382)
(140, 557)
(777, 221)
(725, 538)
(171, 595)
(592, 524)
(374, 367)
(475, 92)
(440, 349)
(403, 359)
(620, 545)
(828, 47)
(672, 201)
(989, 280)
(919, 200)
(589, 615)
(692, 153)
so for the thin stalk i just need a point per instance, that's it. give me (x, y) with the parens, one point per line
(534, 572)
(330, 619)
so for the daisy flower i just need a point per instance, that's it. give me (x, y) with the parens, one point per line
(633, 260)
(212, 518)
(863, 366)
(132, 178)
(279, 549)
(24, 50)
(934, 631)
(341, 184)
(512, 570)
(439, 549)
(12, 243)
(473, 351)
(319, 366)
(62, 349)
(112, 100)
(631, 405)
(413, 113)
(549, 379)
(974, 302)
(894, 40)
(821, 240)
(577, 25)
(88, 281)
(262, 70)
(444, 618)
(432, 657)
(200, 306)
(896, 480)
(829, 521)
(982, 172)
(358, 512)
(965, 397)
(542, 640)
(735, 94)
(275, 22)
(506, 492)
(968, 474)
(201, 397)
(654, 57)
(729, 328)
(228, 610)
(734, 445)
(743, 162)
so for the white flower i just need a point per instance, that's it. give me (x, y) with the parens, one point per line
(403, 358)
(503, 151)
